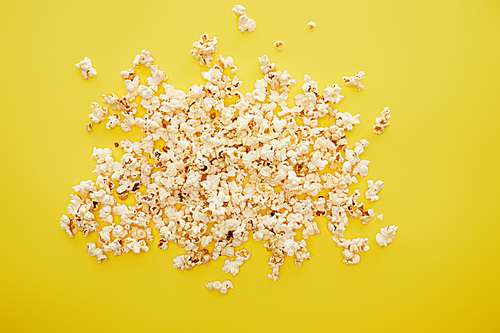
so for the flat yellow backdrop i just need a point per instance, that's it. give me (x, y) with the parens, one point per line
(435, 63)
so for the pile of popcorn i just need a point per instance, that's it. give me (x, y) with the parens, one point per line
(209, 174)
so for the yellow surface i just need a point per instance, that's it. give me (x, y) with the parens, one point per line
(435, 63)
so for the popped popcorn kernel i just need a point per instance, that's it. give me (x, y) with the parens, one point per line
(204, 49)
(355, 81)
(143, 58)
(373, 189)
(351, 249)
(233, 266)
(86, 66)
(245, 24)
(386, 235)
(222, 287)
(89, 128)
(311, 25)
(239, 10)
(97, 252)
(279, 45)
(381, 123)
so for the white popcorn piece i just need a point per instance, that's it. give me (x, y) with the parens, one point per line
(381, 123)
(279, 45)
(222, 287)
(347, 121)
(332, 94)
(245, 24)
(311, 25)
(227, 63)
(215, 285)
(351, 249)
(145, 92)
(361, 168)
(373, 190)
(97, 252)
(355, 81)
(68, 226)
(98, 113)
(86, 66)
(380, 217)
(204, 49)
(239, 10)
(113, 120)
(233, 266)
(386, 235)
(144, 58)
(128, 74)
(265, 65)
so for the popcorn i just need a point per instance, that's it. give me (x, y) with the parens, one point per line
(204, 49)
(279, 45)
(361, 168)
(113, 120)
(86, 66)
(239, 10)
(233, 267)
(244, 22)
(144, 58)
(373, 189)
(355, 81)
(386, 235)
(98, 113)
(97, 252)
(209, 173)
(89, 128)
(351, 249)
(222, 287)
(265, 65)
(332, 94)
(311, 25)
(346, 120)
(382, 123)
(67, 225)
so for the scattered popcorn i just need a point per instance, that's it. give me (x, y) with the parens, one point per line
(279, 45)
(380, 217)
(311, 25)
(381, 123)
(244, 22)
(206, 172)
(355, 81)
(373, 189)
(204, 49)
(86, 66)
(386, 235)
(222, 287)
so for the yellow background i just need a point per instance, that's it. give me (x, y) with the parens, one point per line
(435, 63)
